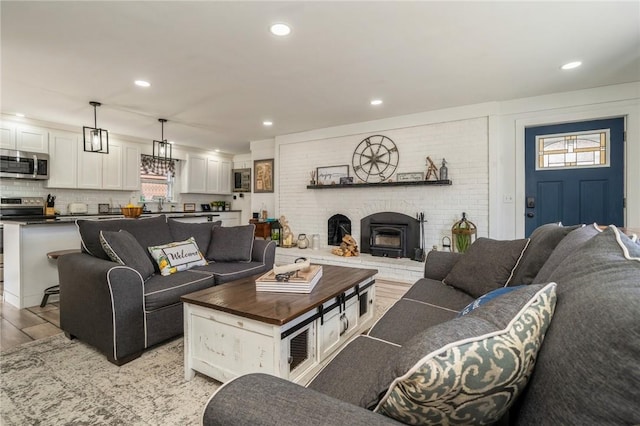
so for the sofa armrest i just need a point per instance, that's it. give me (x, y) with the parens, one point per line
(264, 251)
(261, 399)
(439, 263)
(102, 303)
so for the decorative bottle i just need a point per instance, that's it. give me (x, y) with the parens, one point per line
(444, 170)
(315, 242)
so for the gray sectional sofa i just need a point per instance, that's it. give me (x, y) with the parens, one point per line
(114, 296)
(542, 331)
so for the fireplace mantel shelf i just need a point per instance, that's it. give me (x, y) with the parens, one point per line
(379, 184)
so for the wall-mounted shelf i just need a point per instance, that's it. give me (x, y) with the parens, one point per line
(383, 184)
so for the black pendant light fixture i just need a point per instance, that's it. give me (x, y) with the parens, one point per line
(162, 148)
(95, 139)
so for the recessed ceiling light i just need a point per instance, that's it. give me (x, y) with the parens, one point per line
(19, 114)
(217, 150)
(142, 83)
(571, 65)
(376, 102)
(267, 123)
(280, 29)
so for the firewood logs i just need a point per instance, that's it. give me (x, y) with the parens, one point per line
(348, 247)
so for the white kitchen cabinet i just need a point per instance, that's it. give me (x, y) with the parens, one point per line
(225, 177)
(203, 174)
(213, 175)
(63, 160)
(131, 167)
(195, 174)
(71, 167)
(7, 135)
(33, 139)
(89, 169)
(112, 167)
(24, 138)
(228, 218)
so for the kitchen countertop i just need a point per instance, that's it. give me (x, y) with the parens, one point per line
(66, 219)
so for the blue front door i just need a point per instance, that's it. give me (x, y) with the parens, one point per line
(570, 176)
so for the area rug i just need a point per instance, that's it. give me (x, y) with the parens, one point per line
(57, 381)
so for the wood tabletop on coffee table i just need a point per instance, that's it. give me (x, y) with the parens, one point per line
(241, 298)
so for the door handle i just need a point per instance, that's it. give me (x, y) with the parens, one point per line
(531, 202)
(530, 214)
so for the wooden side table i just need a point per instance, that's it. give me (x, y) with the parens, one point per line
(263, 229)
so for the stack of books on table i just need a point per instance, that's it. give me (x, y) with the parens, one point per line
(302, 282)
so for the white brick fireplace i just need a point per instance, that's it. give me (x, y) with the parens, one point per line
(464, 144)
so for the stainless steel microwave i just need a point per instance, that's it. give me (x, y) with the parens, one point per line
(23, 165)
(241, 180)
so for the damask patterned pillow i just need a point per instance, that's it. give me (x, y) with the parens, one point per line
(471, 369)
(178, 256)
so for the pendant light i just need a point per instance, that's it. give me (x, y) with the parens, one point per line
(95, 139)
(162, 148)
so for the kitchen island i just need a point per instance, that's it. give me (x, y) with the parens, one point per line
(28, 271)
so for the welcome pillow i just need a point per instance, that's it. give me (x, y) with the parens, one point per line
(177, 256)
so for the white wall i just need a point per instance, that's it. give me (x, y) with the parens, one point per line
(488, 183)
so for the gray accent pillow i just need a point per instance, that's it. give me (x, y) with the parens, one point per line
(181, 231)
(544, 239)
(587, 371)
(568, 245)
(471, 369)
(487, 265)
(231, 244)
(152, 231)
(123, 248)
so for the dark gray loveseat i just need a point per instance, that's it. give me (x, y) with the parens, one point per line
(125, 306)
(586, 371)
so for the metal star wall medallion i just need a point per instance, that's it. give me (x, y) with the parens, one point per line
(375, 159)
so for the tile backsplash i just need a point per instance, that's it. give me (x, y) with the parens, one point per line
(28, 188)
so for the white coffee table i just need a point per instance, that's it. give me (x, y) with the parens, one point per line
(232, 329)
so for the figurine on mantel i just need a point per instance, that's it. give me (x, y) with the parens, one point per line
(432, 170)
(287, 235)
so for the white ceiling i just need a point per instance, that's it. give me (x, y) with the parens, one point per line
(217, 73)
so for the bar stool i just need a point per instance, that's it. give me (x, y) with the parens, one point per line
(54, 289)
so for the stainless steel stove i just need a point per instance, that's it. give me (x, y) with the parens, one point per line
(22, 208)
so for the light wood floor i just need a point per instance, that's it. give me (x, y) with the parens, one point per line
(391, 290)
(19, 326)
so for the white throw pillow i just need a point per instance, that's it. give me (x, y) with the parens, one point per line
(177, 256)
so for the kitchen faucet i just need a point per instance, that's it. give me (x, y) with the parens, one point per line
(160, 201)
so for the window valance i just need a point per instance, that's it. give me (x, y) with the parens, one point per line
(154, 166)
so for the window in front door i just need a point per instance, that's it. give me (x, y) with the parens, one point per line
(571, 150)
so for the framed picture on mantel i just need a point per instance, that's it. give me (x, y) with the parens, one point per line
(263, 175)
(331, 175)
